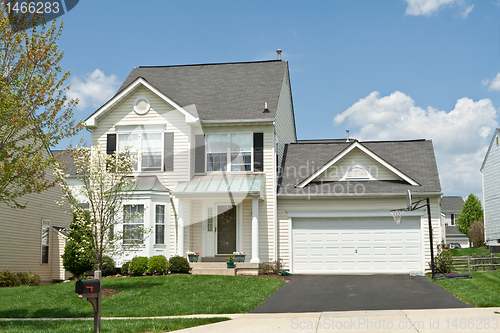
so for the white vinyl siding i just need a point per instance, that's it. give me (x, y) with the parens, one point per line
(491, 192)
(285, 122)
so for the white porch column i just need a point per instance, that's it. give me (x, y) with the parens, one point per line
(180, 226)
(255, 230)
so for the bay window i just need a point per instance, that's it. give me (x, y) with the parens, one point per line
(160, 224)
(133, 224)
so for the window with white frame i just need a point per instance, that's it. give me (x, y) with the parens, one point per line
(146, 147)
(45, 242)
(133, 224)
(229, 152)
(160, 224)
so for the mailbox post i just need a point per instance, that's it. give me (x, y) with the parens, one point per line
(91, 290)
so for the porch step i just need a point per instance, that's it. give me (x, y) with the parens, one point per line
(211, 268)
(220, 268)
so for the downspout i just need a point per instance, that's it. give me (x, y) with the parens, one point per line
(175, 223)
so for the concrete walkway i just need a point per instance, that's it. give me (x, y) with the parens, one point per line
(466, 320)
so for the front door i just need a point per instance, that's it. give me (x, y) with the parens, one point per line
(226, 229)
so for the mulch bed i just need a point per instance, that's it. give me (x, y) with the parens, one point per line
(110, 292)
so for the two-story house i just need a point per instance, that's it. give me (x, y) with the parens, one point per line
(212, 136)
(219, 142)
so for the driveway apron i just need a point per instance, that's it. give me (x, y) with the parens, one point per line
(316, 293)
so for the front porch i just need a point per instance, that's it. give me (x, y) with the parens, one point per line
(219, 215)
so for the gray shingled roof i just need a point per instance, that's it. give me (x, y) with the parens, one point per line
(452, 204)
(453, 230)
(228, 91)
(413, 158)
(67, 161)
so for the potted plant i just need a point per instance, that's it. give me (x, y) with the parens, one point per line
(239, 256)
(230, 262)
(193, 256)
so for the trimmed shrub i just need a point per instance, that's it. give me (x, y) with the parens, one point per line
(124, 269)
(272, 267)
(179, 265)
(29, 278)
(79, 255)
(138, 266)
(157, 265)
(443, 261)
(108, 266)
(9, 279)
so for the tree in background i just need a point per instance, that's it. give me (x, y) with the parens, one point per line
(476, 233)
(79, 252)
(34, 111)
(105, 182)
(471, 211)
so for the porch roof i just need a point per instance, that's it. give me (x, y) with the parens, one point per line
(214, 184)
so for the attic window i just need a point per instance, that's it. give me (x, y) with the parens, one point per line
(142, 105)
(357, 172)
(497, 140)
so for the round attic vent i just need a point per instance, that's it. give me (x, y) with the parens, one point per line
(142, 105)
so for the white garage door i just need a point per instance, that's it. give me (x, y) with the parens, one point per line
(356, 245)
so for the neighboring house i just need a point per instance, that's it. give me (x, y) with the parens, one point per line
(215, 137)
(490, 170)
(451, 206)
(33, 239)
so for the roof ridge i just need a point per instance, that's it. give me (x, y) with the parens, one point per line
(313, 141)
(213, 64)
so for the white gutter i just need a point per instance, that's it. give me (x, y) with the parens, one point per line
(375, 195)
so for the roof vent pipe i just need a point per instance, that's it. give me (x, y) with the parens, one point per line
(266, 110)
(278, 51)
(347, 135)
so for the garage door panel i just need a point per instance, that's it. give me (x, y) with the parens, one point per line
(362, 245)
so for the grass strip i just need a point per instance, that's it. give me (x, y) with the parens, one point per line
(107, 326)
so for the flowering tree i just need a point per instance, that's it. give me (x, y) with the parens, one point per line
(34, 111)
(103, 183)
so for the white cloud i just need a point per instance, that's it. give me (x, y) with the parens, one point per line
(95, 89)
(493, 84)
(459, 136)
(429, 7)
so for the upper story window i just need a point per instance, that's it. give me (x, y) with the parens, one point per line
(229, 152)
(151, 147)
(357, 172)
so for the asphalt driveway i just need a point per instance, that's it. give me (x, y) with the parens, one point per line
(316, 293)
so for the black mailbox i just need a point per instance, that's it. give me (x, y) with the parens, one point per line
(87, 286)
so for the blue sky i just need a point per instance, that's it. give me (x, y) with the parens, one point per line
(384, 69)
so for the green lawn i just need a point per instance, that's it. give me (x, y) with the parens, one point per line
(483, 290)
(142, 297)
(107, 326)
(470, 250)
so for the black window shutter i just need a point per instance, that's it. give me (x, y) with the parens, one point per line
(199, 154)
(258, 152)
(168, 151)
(111, 144)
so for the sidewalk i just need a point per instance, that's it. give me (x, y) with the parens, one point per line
(466, 320)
